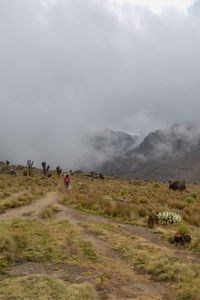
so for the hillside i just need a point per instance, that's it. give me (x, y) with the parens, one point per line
(105, 145)
(163, 155)
(92, 241)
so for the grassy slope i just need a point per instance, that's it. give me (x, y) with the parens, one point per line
(57, 243)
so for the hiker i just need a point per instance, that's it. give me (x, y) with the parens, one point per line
(67, 180)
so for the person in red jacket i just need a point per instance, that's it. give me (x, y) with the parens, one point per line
(67, 180)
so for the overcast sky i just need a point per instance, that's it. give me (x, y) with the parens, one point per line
(68, 67)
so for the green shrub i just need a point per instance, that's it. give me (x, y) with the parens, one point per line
(194, 195)
(183, 230)
(156, 185)
(190, 200)
(124, 192)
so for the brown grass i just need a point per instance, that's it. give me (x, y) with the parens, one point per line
(120, 200)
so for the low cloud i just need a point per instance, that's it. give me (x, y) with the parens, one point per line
(69, 68)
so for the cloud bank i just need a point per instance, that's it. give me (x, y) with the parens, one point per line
(69, 68)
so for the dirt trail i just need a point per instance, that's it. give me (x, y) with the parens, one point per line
(36, 205)
(138, 285)
(14, 195)
(75, 217)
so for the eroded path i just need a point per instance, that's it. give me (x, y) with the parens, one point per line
(139, 285)
(76, 218)
(37, 205)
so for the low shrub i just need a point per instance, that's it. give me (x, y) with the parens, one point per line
(142, 212)
(124, 192)
(194, 195)
(143, 200)
(190, 200)
(156, 185)
(183, 230)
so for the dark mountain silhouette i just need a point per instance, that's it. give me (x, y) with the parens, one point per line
(165, 154)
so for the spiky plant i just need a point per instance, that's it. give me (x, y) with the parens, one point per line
(168, 217)
(58, 170)
(30, 165)
(45, 168)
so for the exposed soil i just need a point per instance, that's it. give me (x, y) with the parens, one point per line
(36, 205)
(75, 217)
(139, 285)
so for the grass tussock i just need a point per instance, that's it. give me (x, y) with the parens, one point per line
(122, 200)
(5, 195)
(27, 239)
(155, 260)
(43, 287)
(49, 211)
(34, 241)
(101, 206)
(18, 201)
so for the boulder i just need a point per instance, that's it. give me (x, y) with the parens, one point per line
(177, 185)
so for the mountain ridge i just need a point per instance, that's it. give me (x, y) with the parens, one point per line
(165, 154)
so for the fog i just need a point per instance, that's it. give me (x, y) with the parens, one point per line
(72, 67)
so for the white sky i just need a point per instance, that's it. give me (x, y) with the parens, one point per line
(158, 5)
(70, 67)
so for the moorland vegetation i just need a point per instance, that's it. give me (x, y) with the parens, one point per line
(92, 241)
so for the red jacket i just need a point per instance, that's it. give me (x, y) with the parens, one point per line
(67, 179)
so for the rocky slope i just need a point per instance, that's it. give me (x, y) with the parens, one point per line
(163, 155)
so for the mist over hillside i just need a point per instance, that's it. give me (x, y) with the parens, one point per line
(72, 67)
(95, 86)
(165, 154)
(105, 145)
